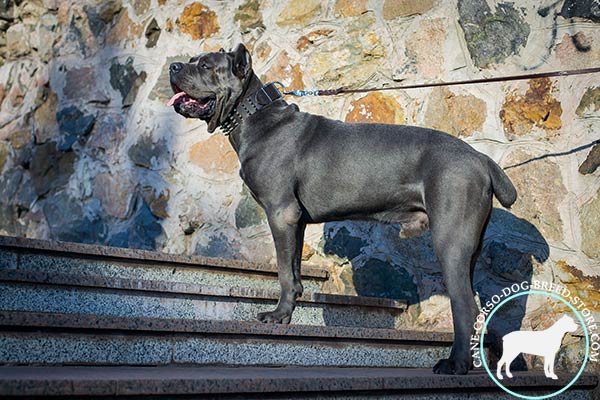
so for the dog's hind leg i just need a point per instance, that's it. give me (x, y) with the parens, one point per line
(455, 263)
(477, 253)
(457, 222)
(288, 235)
(508, 362)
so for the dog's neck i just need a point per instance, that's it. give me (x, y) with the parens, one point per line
(254, 97)
(252, 85)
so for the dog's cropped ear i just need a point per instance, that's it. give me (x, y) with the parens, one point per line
(242, 63)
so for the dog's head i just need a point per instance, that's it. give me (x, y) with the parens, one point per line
(568, 324)
(209, 85)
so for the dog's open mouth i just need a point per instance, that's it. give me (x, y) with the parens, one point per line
(196, 107)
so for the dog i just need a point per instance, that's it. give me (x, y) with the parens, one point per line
(544, 343)
(303, 169)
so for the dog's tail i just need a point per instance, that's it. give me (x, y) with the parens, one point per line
(502, 186)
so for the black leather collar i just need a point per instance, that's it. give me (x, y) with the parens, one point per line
(264, 96)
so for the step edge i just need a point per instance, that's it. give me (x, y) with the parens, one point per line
(256, 380)
(25, 319)
(140, 255)
(169, 287)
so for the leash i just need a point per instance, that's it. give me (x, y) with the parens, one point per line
(269, 93)
(552, 74)
(341, 90)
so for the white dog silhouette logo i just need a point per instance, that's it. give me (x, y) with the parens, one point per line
(544, 343)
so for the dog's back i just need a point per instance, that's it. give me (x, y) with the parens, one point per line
(539, 343)
(529, 342)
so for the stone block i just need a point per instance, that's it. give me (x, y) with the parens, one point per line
(142, 232)
(540, 190)
(248, 16)
(123, 30)
(376, 108)
(125, 79)
(147, 154)
(591, 163)
(73, 125)
(537, 107)
(114, 193)
(248, 213)
(214, 155)
(590, 102)
(198, 21)
(4, 154)
(69, 220)
(50, 168)
(81, 84)
(152, 33)
(405, 8)
(45, 124)
(458, 115)
(590, 227)
(299, 12)
(18, 41)
(492, 36)
(349, 8)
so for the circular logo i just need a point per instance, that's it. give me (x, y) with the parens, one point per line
(579, 317)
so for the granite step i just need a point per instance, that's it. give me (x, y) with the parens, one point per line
(70, 339)
(101, 295)
(275, 383)
(32, 255)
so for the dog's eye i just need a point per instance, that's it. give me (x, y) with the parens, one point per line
(204, 66)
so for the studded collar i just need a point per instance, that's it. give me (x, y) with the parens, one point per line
(264, 96)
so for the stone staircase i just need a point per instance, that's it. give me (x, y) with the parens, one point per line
(86, 321)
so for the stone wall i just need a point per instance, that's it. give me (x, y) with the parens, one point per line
(90, 152)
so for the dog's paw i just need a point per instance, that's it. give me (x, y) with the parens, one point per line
(275, 317)
(298, 289)
(449, 366)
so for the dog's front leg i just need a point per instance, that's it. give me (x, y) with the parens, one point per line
(288, 233)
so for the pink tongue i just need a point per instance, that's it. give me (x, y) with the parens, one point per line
(175, 98)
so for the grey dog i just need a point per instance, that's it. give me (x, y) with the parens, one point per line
(303, 168)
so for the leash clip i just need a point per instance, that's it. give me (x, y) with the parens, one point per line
(296, 92)
(275, 83)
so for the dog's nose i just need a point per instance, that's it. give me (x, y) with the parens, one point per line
(176, 67)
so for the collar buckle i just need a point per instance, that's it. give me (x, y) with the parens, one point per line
(267, 94)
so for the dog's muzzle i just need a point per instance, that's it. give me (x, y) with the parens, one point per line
(186, 105)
